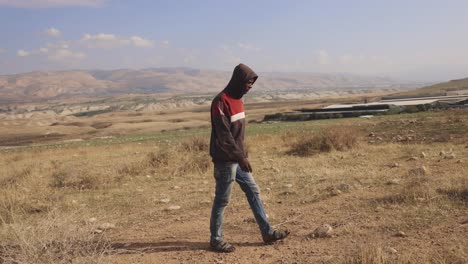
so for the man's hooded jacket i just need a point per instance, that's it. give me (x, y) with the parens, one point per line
(228, 118)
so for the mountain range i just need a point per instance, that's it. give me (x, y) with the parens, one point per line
(47, 85)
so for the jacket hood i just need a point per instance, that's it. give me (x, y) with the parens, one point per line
(241, 75)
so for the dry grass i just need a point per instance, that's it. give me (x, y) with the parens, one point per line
(339, 138)
(55, 238)
(370, 255)
(48, 195)
(188, 157)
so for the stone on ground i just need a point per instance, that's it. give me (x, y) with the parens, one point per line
(323, 231)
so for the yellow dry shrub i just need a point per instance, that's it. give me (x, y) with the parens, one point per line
(339, 138)
(54, 238)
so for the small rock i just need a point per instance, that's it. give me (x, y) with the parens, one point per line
(275, 169)
(413, 159)
(289, 185)
(92, 220)
(344, 187)
(391, 250)
(268, 189)
(450, 156)
(323, 231)
(459, 161)
(371, 134)
(400, 234)
(442, 153)
(379, 138)
(173, 207)
(97, 231)
(106, 226)
(249, 220)
(423, 155)
(335, 192)
(165, 200)
(395, 165)
(419, 171)
(176, 187)
(205, 182)
(287, 193)
(393, 182)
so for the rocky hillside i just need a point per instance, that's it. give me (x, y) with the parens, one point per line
(42, 85)
(459, 86)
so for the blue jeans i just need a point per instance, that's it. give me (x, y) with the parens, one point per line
(225, 173)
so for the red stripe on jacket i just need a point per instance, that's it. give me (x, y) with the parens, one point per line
(227, 138)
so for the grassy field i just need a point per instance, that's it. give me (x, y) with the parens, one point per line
(393, 188)
(46, 126)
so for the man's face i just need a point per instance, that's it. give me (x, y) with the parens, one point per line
(248, 85)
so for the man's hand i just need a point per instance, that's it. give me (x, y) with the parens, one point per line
(245, 165)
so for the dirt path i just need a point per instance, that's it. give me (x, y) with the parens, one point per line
(357, 229)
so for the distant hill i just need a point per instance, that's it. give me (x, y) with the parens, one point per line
(438, 89)
(44, 85)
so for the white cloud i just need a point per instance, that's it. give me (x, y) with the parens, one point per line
(322, 57)
(59, 45)
(248, 46)
(140, 42)
(66, 55)
(51, 47)
(103, 41)
(102, 36)
(227, 56)
(165, 43)
(346, 59)
(364, 62)
(50, 3)
(60, 52)
(53, 32)
(108, 41)
(190, 59)
(225, 48)
(23, 53)
(57, 52)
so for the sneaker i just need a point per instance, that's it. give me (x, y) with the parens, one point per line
(276, 236)
(222, 247)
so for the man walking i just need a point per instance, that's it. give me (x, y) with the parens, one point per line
(230, 160)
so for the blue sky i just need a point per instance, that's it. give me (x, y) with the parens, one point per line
(414, 40)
